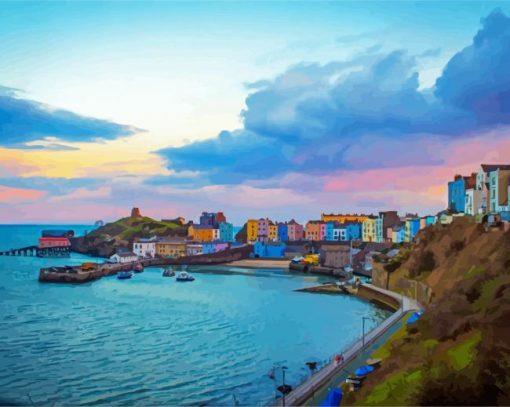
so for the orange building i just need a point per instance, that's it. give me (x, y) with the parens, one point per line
(203, 233)
(313, 230)
(344, 218)
(272, 232)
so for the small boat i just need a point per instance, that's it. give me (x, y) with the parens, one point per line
(184, 276)
(168, 272)
(374, 362)
(138, 268)
(123, 275)
(356, 381)
(364, 370)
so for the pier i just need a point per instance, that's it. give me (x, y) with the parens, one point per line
(35, 251)
(78, 274)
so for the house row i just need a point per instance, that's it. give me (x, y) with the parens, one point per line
(157, 247)
(484, 191)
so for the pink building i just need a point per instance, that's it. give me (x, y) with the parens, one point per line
(295, 230)
(263, 230)
(45, 242)
(322, 231)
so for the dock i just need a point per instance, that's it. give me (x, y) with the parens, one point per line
(79, 275)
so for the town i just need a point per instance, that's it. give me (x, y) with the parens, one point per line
(337, 240)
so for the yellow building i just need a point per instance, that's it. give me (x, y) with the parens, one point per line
(272, 232)
(368, 230)
(343, 218)
(203, 234)
(170, 248)
(252, 230)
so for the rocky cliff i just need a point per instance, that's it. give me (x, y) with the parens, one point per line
(459, 351)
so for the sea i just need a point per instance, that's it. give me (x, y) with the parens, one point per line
(153, 341)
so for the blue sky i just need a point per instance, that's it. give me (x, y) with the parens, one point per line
(119, 97)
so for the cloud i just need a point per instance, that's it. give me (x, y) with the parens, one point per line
(477, 78)
(11, 195)
(23, 121)
(367, 112)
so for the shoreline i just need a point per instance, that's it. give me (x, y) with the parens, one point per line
(259, 263)
(306, 390)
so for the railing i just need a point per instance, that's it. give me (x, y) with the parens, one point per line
(307, 386)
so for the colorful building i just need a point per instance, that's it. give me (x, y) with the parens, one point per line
(262, 229)
(194, 249)
(372, 230)
(313, 230)
(269, 249)
(283, 232)
(398, 233)
(272, 231)
(252, 230)
(51, 242)
(295, 231)
(499, 182)
(474, 201)
(173, 248)
(343, 218)
(457, 192)
(124, 257)
(226, 231)
(214, 247)
(330, 234)
(412, 227)
(203, 233)
(145, 247)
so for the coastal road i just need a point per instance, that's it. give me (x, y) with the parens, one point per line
(318, 384)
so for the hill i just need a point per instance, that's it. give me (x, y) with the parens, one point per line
(105, 240)
(459, 351)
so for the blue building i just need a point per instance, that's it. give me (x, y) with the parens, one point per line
(226, 232)
(330, 231)
(412, 228)
(269, 249)
(283, 232)
(457, 192)
(352, 231)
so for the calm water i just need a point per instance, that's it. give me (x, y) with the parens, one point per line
(152, 341)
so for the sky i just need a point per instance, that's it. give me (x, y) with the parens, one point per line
(278, 109)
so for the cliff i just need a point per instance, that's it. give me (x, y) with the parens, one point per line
(459, 351)
(103, 241)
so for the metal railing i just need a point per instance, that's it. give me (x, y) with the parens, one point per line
(307, 386)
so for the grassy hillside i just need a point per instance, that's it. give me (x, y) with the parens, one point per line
(104, 240)
(459, 351)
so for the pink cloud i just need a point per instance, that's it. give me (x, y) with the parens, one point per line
(12, 195)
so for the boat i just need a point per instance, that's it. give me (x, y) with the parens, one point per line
(138, 268)
(364, 370)
(374, 362)
(168, 272)
(184, 276)
(123, 275)
(356, 381)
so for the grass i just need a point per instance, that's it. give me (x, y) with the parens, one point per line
(395, 390)
(384, 351)
(463, 354)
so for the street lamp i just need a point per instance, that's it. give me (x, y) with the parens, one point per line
(284, 388)
(365, 318)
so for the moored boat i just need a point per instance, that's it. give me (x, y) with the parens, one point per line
(138, 268)
(168, 272)
(184, 276)
(123, 275)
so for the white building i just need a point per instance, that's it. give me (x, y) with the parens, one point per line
(474, 201)
(145, 247)
(216, 234)
(124, 257)
(194, 249)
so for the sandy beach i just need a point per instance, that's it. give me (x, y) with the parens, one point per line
(260, 263)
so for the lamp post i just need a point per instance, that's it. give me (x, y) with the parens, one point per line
(284, 388)
(364, 318)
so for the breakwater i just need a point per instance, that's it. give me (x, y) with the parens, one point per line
(69, 274)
